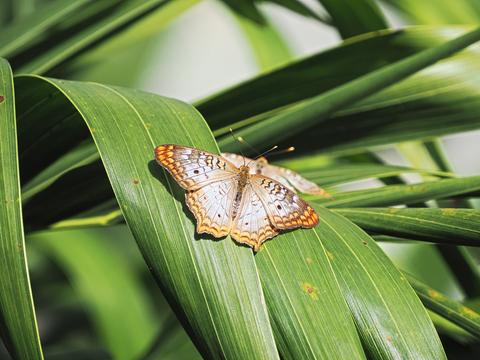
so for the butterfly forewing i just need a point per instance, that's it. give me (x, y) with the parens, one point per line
(193, 168)
(286, 210)
(238, 160)
(252, 225)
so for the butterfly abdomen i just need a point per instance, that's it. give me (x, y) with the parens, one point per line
(242, 182)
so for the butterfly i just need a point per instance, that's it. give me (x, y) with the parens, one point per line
(287, 177)
(226, 199)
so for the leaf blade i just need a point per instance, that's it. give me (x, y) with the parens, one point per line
(309, 315)
(370, 284)
(16, 303)
(368, 16)
(404, 194)
(449, 226)
(211, 317)
(312, 112)
(452, 310)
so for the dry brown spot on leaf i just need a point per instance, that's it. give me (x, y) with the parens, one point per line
(310, 290)
(448, 212)
(434, 294)
(136, 181)
(469, 312)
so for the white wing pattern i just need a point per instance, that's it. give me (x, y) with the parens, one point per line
(285, 208)
(226, 199)
(287, 177)
(252, 224)
(211, 205)
(193, 168)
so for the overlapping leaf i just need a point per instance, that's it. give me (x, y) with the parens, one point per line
(456, 312)
(17, 313)
(450, 226)
(200, 277)
(368, 16)
(371, 284)
(404, 194)
(416, 113)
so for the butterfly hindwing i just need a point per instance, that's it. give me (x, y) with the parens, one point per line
(193, 168)
(293, 180)
(251, 224)
(287, 177)
(285, 208)
(211, 204)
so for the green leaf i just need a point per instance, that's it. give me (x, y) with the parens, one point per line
(268, 47)
(452, 310)
(200, 277)
(384, 306)
(439, 12)
(106, 61)
(104, 279)
(354, 17)
(21, 34)
(17, 313)
(368, 122)
(404, 194)
(344, 333)
(300, 8)
(308, 77)
(446, 327)
(309, 315)
(312, 112)
(343, 173)
(449, 226)
(123, 14)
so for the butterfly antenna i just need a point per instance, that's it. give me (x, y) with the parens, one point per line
(242, 141)
(287, 150)
(266, 152)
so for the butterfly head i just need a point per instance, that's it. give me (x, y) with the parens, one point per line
(244, 170)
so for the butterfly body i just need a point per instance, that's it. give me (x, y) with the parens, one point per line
(243, 177)
(226, 199)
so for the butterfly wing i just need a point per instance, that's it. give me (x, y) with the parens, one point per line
(252, 224)
(285, 209)
(193, 168)
(288, 178)
(292, 180)
(238, 160)
(211, 204)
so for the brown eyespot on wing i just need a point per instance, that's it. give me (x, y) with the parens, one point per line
(192, 168)
(285, 208)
